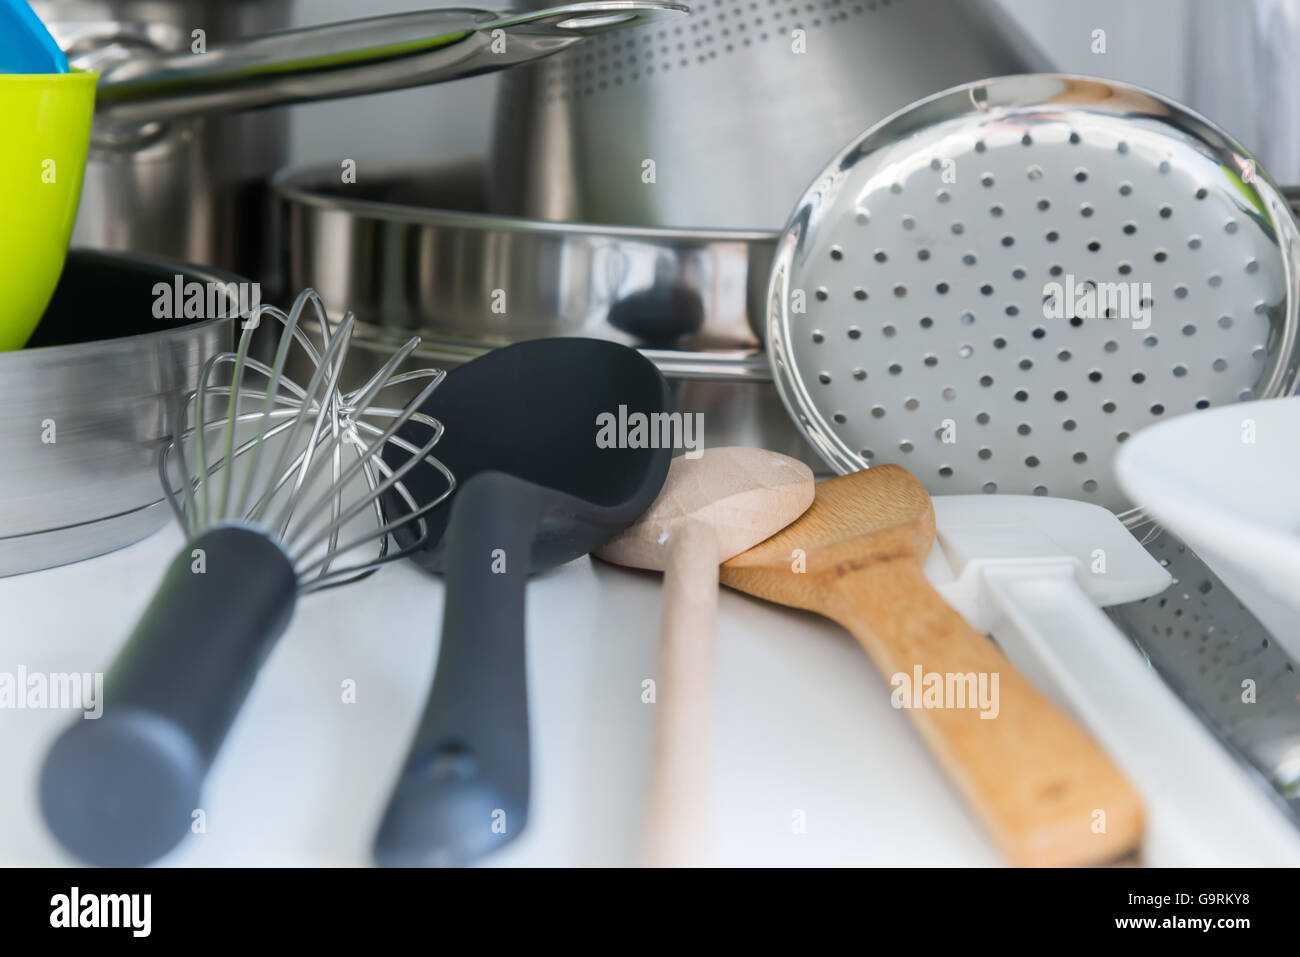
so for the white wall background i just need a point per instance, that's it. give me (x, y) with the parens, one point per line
(1145, 39)
(446, 120)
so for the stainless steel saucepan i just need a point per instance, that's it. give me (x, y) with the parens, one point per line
(177, 169)
(412, 249)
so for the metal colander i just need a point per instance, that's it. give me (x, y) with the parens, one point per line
(1204, 642)
(736, 106)
(717, 29)
(996, 286)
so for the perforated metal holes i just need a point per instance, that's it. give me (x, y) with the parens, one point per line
(714, 30)
(1039, 284)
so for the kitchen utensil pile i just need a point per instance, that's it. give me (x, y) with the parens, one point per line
(982, 297)
(1034, 572)
(189, 121)
(1031, 775)
(1066, 262)
(710, 509)
(272, 491)
(535, 492)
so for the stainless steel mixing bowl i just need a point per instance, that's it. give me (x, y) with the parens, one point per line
(85, 406)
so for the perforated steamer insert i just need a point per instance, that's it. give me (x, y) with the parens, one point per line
(930, 305)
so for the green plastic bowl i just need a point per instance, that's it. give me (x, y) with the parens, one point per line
(44, 134)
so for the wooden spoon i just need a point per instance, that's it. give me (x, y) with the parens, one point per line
(709, 509)
(1033, 777)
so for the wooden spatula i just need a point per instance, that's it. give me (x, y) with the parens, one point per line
(710, 508)
(1047, 794)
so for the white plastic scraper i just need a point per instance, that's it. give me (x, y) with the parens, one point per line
(1033, 572)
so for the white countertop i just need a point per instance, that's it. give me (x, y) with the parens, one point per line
(803, 724)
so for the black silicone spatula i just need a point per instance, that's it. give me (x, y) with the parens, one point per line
(538, 484)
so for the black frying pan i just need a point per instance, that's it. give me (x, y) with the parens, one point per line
(534, 490)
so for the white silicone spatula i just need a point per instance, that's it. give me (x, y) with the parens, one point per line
(1034, 573)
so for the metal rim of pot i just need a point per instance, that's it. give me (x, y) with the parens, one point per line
(303, 190)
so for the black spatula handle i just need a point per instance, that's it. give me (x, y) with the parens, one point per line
(121, 789)
(464, 788)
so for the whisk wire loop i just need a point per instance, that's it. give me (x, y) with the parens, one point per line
(330, 468)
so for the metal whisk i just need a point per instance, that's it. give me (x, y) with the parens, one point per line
(278, 490)
(285, 508)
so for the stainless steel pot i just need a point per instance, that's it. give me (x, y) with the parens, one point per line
(82, 416)
(175, 169)
(737, 106)
(411, 251)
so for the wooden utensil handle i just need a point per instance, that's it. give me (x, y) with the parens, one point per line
(1041, 785)
(676, 832)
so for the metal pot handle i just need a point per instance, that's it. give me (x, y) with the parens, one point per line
(347, 58)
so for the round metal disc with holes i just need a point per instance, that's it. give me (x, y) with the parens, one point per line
(998, 285)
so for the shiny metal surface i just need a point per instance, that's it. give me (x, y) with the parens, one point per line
(948, 363)
(1206, 644)
(737, 402)
(348, 58)
(410, 250)
(738, 106)
(914, 297)
(195, 187)
(303, 462)
(82, 416)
